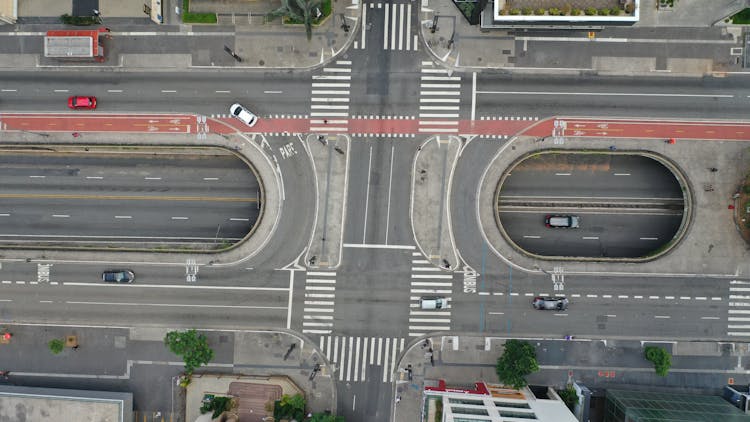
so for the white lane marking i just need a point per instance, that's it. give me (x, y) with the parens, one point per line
(222, 91)
(364, 32)
(367, 196)
(123, 216)
(180, 218)
(60, 215)
(562, 174)
(332, 77)
(590, 238)
(342, 362)
(709, 317)
(37, 177)
(173, 305)
(273, 92)
(174, 286)
(364, 352)
(349, 361)
(608, 94)
(662, 316)
(152, 178)
(239, 219)
(408, 26)
(649, 238)
(388, 206)
(8, 90)
(114, 91)
(532, 237)
(95, 177)
(5, 215)
(372, 350)
(380, 348)
(401, 27)
(393, 27)
(166, 91)
(393, 359)
(61, 90)
(622, 174)
(210, 178)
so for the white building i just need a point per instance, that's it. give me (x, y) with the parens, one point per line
(494, 403)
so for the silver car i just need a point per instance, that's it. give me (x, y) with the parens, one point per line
(241, 113)
(547, 303)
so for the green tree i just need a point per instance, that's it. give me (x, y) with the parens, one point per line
(569, 397)
(661, 359)
(191, 346)
(325, 417)
(299, 11)
(517, 361)
(290, 407)
(56, 346)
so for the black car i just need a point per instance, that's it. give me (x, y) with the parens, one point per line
(118, 276)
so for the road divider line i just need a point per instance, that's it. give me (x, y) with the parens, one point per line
(174, 286)
(377, 246)
(608, 94)
(174, 305)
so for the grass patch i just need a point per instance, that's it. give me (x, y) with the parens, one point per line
(742, 18)
(79, 20)
(188, 17)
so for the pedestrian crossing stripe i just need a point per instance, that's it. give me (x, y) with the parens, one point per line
(320, 295)
(352, 356)
(738, 317)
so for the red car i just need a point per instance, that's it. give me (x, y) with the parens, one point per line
(82, 102)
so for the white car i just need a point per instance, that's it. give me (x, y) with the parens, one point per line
(243, 114)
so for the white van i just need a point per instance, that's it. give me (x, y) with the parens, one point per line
(433, 302)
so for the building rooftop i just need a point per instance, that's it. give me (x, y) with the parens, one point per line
(32, 404)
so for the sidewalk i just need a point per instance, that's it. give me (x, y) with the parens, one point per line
(135, 359)
(685, 43)
(596, 363)
(242, 27)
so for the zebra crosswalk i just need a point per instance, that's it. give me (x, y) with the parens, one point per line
(428, 280)
(352, 356)
(329, 100)
(439, 100)
(320, 294)
(398, 33)
(738, 318)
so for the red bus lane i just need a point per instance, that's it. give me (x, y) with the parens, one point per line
(563, 127)
(665, 129)
(98, 123)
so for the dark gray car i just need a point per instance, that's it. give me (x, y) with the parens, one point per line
(550, 303)
(118, 276)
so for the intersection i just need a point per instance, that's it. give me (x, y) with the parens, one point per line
(379, 158)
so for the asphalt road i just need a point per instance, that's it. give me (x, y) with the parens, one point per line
(373, 296)
(131, 199)
(628, 205)
(381, 85)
